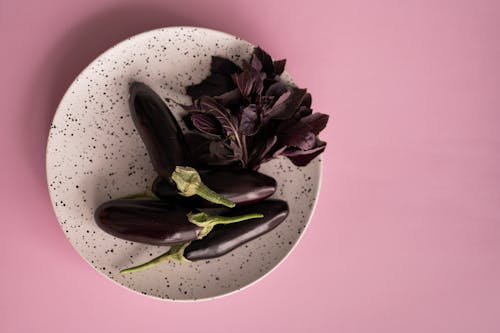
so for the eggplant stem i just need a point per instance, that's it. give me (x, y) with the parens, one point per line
(189, 183)
(209, 195)
(174, 253)
(208, 222)
(204, 219)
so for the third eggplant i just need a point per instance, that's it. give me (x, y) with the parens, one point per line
(241, 186)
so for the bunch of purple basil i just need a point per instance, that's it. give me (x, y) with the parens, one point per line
(245, 116)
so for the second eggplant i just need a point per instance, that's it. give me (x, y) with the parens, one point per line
(241, 186)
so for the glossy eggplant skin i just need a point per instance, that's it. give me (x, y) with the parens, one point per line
(158, 129)
(241, 186)
(225, 238)
(147, 221)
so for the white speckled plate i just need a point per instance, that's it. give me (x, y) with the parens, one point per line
(95, 154)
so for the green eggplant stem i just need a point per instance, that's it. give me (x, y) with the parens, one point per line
(207, 223)
(175, 252)
(204, 219)
(189, 183)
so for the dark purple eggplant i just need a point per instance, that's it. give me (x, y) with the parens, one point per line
(158, 129)
(160, 222)
(225, 238)
(241, 186)
(146, 221)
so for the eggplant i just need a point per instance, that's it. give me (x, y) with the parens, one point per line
(147, 221)
(158, 129)
(225, 238)
(160, 222)
(241, 186)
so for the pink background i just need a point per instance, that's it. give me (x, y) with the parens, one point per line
(406, 236)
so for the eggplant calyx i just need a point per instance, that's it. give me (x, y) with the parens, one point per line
(189, 183)
(174, 253)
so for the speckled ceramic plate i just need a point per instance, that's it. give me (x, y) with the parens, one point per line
(94, 154)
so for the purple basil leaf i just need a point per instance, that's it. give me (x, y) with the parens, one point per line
(282, 99)
(218, 82)
(206, 123)
(266, 60)
(302, 112)
(292, 152)
(210, 106)
(269, 82)
(248, 81)
(279, 66)
(277, 89)
(215, 84)
(256, 64)
(216, 152)
(196, 140)
(229, 99)
(297, 135)
(219, 151)
(316, 122)
(301, 140)
(199, 145)
(223, 66)
(249, 120)
(303, 160)
(266, 101)
(303, 157)
(287, 109)
(307, 100)
(263, 152)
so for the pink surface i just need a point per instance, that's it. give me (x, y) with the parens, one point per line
(406, 236)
